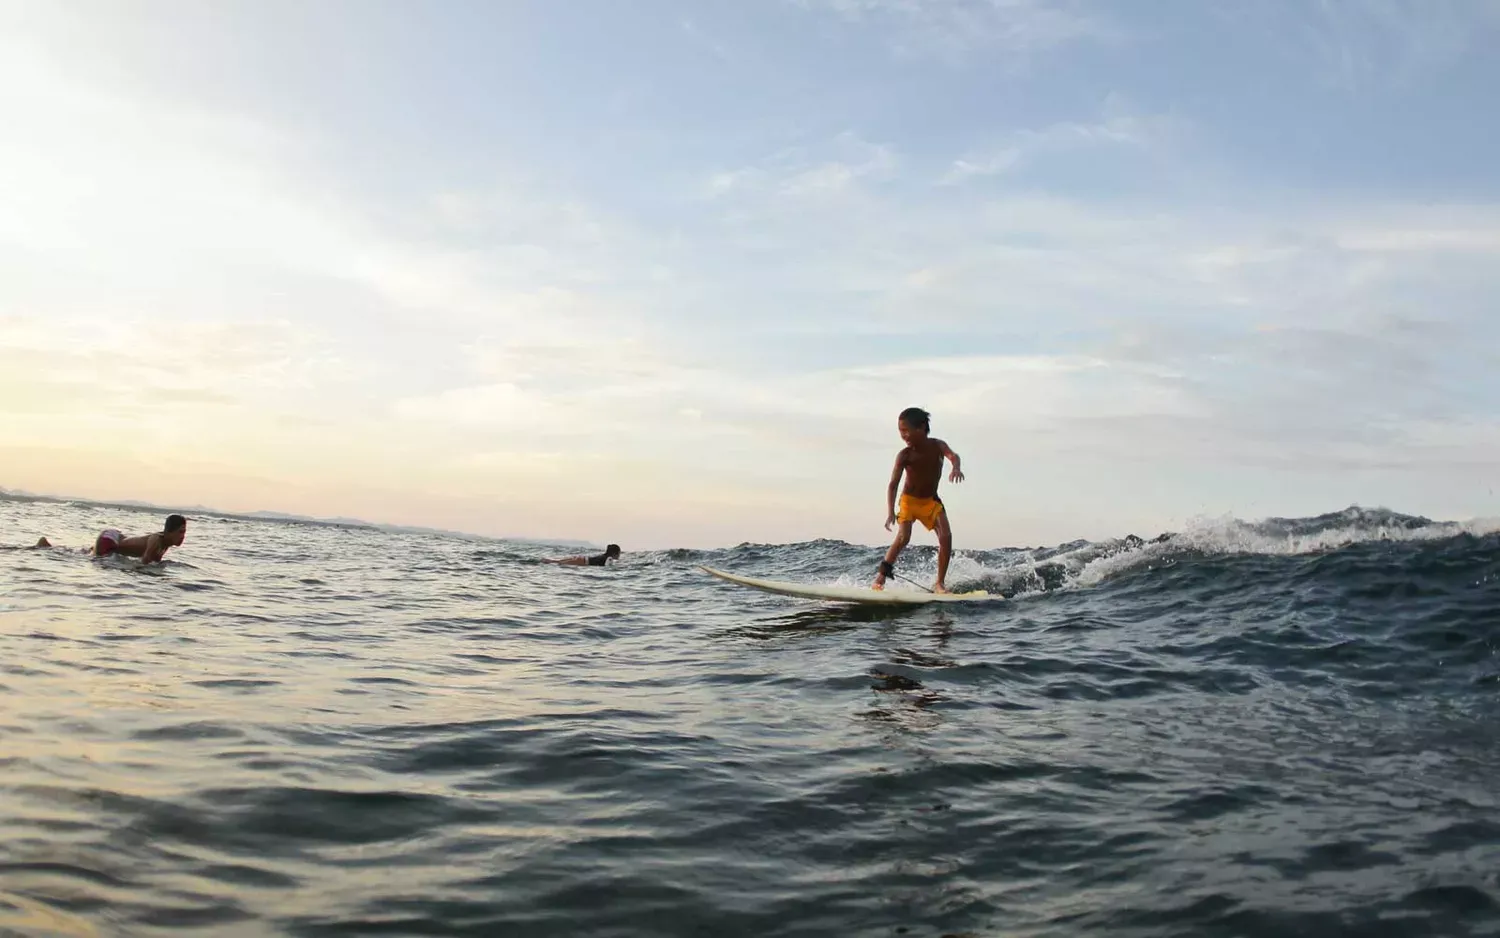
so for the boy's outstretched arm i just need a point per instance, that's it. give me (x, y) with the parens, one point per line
(957, 475)
(890, 490)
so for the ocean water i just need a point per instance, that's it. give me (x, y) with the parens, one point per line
(1283, 728)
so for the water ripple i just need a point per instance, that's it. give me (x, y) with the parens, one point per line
(1284, 728)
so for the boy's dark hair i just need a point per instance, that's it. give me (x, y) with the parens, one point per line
(916, 417)
(613, 549)
(174, 522)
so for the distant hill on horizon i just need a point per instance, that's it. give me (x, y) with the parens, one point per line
(278, 517)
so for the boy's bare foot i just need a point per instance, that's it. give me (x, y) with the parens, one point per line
(939, 588)
(879, 583)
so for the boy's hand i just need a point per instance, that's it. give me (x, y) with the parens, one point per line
(889, 520)
(956, 475)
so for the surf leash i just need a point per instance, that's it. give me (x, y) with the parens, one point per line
(888, 570)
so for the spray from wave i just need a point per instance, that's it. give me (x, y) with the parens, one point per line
(1085, 564)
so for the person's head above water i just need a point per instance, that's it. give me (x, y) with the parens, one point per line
(914, 423)
(175, 529)
(613, 551)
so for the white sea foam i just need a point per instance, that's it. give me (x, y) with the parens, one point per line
(1092, 564)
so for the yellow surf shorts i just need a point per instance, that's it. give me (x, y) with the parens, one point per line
(925, 510)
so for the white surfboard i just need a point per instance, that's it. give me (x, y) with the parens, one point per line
(853, 594)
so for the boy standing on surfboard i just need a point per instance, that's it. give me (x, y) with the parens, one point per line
(922, 462)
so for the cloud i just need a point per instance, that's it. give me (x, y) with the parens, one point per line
(1454, 239)
(1358, 45)
(184, 200)
(501, 404)
(242, 359)
(1288, 332)
(826, 169)
(1118, 127)
(636, 405)
(729, 334)
(956, 30)
(125, 387)
(696, 34)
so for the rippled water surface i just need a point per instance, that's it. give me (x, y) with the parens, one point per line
(1289, 728)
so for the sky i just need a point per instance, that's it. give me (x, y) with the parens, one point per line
(664, 272)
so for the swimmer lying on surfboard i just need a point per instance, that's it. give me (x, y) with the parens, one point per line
(612, 552)
(148, 547)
